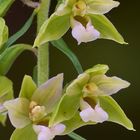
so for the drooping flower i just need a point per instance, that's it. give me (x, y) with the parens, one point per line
(85, 17)
(35, 105)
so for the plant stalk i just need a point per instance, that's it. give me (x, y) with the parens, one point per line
(43, 51)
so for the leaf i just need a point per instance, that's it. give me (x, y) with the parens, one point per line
(3, 32)
(75, 123)
(75, 136)
(116, 114)
(70, 101)
(28, 87)
(22, 31)
(106, 28)
(26, 133)
(18, 111)
(8, 57)
(62, 46)
(49, 93)
(53, 29)
(4, 6)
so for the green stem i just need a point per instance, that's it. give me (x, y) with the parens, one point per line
(43, 51)
(75, 136)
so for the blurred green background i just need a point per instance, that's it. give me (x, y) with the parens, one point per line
(123, 60)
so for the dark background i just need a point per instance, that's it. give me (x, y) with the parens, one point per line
(123, 60)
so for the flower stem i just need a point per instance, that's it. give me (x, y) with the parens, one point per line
(75, 136)
(43, 51)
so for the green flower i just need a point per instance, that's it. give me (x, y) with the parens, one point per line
(89, 101)
(35, 105)
(86, 19)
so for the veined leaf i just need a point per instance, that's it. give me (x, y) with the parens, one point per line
(62, 46)
(22, 31)
(8, 57)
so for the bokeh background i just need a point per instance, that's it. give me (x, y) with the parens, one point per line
(123, 60)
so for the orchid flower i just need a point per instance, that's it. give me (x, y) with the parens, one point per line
(89, 100)
(98, 85)
(85, 17)
(35, 105)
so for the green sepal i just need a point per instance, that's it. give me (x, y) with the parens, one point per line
(3, 118)
(8, 57)
(6, 89)
(49, 93)
(115, 113)
(26, 133)
(106, 28)
(3, 32)
(97, 69)
(4, 6)
(6, 93)
(28, 87)
(53, 29)
(70, 101)
(18, 111)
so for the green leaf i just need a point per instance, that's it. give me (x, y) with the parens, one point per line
(62, 46)
(18, 111)
(106, 28)
(3, 32)
(8, 57)
(70, 101)
(75, 136)
(116, 114)
(75, 123)
(26, 133)
(28, 87)
(49, 93)
(22, 31)
(53, 29)
(4, 6)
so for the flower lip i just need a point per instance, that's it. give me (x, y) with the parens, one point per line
(84, 32)
(48, 133)
(96, 114)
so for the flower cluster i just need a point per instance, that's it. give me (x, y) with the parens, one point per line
(50, 110)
